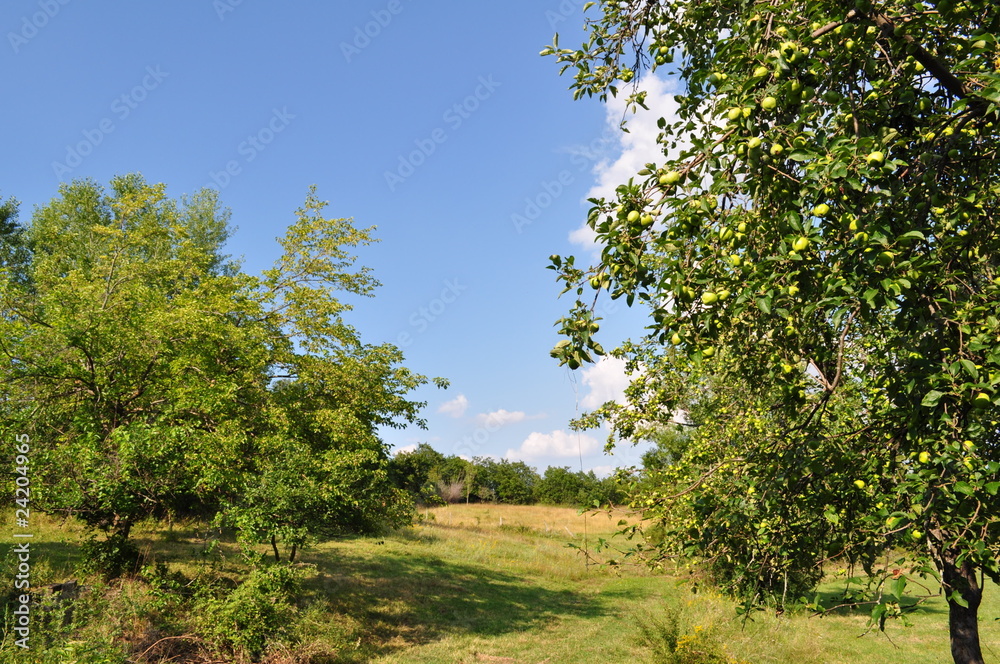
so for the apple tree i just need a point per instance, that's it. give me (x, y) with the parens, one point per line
(817, 249)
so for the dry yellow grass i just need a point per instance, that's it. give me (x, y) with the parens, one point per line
(543, 519)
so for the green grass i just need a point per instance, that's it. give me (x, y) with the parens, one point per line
(460, 586)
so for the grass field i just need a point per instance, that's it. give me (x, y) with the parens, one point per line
(486, 583)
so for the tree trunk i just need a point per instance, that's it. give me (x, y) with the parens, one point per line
(963, 622)
(291, 556)
(274, 545)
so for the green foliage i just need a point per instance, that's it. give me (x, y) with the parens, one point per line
(561, 486)
(818, 254)
(511, 482)
(153, 377)
(112, 556)
(258, 613)
(669, 643)
(411, 472)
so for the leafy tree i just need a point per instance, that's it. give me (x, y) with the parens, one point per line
(504, 481)
(154, 377)
(452, 473)
(411, 471)
(321, 467)
(817, 249)
(13, 249)
(132, 355)
(559, 486)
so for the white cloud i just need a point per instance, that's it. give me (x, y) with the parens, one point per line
(501, 417)
(406, 449)
(636, 148)
(559, 443)
(607, 381)
(456, 407)
(604, 471)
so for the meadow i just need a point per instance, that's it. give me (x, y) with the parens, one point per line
(466, 583)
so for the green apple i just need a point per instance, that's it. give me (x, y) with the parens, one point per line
(821, 210)
(708, 352)
(723, 294)
(633, 216)
(709, 297)
(760, 71)
(924, 457)
(885, 257)
(735, 113)
(793, 290)
(875, 158)
(776, 149)
(801, 244)
(860, 484)
(670, 177)
(595, 282)
(753, 143)
(675, 339)
(916, 535)
(982, 400)
(768, 103)
(646, 220)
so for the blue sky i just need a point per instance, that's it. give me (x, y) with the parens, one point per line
(438, 123)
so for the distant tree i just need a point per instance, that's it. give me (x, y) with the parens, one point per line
(455, 478)
(511, 482)
(411, 471)
(560, 486)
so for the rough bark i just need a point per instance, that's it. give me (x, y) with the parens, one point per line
(963, 621)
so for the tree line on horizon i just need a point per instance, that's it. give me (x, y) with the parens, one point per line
(432, 478)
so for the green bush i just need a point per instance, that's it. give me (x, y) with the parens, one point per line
(670, 644)
(257, 613)
(112, 557)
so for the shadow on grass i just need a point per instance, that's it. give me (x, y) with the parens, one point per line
(833, 602)
(413, 598)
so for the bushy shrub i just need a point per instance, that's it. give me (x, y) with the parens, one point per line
(257, 613)
(111, 557)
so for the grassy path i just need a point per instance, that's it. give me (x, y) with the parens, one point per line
(482, 583)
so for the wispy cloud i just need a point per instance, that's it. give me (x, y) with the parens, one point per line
(503, 417)
(456, 407)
